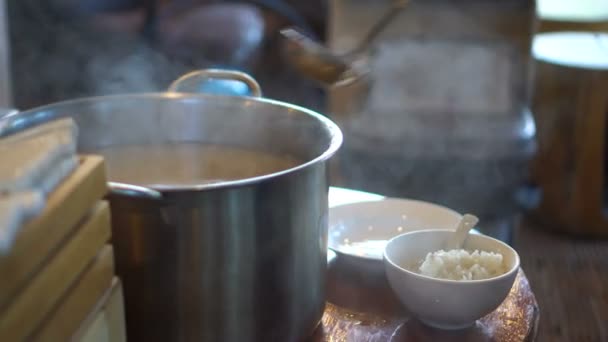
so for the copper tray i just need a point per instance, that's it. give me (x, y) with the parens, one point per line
(362, 307)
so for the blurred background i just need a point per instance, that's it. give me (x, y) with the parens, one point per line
(67, 48)
(496, 107)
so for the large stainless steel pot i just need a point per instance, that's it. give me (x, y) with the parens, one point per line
(235, 261)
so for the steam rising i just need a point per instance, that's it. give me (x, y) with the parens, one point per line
(57, 58)
(407, 153)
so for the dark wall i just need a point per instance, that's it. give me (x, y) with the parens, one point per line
(63, 49)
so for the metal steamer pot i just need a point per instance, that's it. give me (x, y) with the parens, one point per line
(241, 260)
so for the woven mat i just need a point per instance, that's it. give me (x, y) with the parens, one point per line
(569, 277)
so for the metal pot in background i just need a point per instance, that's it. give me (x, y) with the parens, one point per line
(240, 260)
(446, 118)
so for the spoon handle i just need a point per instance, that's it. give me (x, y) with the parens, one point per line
(467, 222)
(378, 27)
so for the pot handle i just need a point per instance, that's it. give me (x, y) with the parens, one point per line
(134, 191)
(5, 122)
(191, 82)
(5, 113)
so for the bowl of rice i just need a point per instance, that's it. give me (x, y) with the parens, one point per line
(449, 289)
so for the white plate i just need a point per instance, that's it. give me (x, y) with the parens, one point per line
(361, 230)
(340, 196)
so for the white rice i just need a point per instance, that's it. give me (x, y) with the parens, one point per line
(459, 264)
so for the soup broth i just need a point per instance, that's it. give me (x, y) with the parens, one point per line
(183, 164)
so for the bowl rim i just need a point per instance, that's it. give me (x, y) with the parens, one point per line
(378, 203)
(513, 269)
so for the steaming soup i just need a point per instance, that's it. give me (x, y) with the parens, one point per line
(188, 163)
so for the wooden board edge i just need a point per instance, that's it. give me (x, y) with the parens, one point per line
(41, 294)
(115, 314)
(98, 331)
(111, 306)
(66, 207)
(79, 300)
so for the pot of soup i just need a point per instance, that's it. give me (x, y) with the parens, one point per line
(219, 207)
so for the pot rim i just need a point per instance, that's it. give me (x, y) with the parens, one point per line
(335, 134)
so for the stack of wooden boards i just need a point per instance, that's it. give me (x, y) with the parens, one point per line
(32, 163)
(57, 279)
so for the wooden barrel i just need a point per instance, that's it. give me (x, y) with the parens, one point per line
(570, 106)
(578, 15)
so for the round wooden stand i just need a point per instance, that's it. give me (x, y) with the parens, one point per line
(362, 307)
(570, 105)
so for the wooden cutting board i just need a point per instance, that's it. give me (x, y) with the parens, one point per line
(98, 331)
(30, 305)
(80, 300)
(107, 322)
(68, 204)
(115, 314)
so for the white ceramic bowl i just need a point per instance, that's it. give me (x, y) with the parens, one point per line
(360, 231)
(446, 304)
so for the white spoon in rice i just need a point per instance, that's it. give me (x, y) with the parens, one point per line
(456, 241)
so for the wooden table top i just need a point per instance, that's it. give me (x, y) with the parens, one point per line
(569, 277)
(362, 307)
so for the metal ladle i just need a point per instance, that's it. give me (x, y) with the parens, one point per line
(317, 62)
